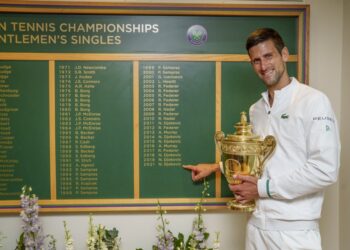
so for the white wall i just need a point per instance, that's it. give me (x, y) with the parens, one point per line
(138, 230)
(325, 74)
(345, 133)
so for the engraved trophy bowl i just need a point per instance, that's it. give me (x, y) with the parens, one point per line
(243, 153)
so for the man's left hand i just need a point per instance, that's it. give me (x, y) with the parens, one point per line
(247, 190)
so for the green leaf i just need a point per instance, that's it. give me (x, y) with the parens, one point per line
(20, 242)
(189, 241)
(179, 242)
(206, 235)
(112, 233)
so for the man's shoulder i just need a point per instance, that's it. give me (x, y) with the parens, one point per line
(258, 106)
(308, 93)
(308, 99)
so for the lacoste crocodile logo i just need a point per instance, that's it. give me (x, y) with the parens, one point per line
(284, 116)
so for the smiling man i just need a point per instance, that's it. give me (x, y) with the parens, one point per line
(289, 195)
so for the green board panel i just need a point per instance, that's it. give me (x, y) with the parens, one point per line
(177, 123)
(94, 129)
(24, 128)
(124, 34)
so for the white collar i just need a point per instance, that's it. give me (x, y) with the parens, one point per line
(285, 91)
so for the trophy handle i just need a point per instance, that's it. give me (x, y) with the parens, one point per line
(269, 145)
(219, 136)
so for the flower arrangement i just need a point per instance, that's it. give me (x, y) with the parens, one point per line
(100, 238)
(32, 236)
(197, 240)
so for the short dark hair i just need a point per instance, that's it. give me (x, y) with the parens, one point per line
(264, 34)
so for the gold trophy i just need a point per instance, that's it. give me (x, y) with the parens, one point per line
(243, 153)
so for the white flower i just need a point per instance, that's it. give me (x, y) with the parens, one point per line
(101, 245)
(117, 242)
(91, 243)
(68, 237)
(92, 235)
(69, 244)
(216, 244)
(101, 239)
(52, 242)
(1, 238)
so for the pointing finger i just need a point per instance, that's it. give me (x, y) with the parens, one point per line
(189, 167)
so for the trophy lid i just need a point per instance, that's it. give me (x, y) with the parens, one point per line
(243, 131)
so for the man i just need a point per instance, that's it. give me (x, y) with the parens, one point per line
(289, 195)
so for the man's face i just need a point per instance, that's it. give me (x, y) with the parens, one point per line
(268, 63)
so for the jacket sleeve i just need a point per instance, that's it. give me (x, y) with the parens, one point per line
(323, 156)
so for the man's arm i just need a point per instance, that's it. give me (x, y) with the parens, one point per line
(322, 165)
(202, 170)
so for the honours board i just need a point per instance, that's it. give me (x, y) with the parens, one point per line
(102, 104)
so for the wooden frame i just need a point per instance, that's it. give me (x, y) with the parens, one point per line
(104, 8)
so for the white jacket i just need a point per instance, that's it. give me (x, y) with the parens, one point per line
(305, 161)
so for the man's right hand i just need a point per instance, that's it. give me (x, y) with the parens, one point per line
(202, 170)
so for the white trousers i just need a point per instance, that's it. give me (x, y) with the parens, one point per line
(257, 239)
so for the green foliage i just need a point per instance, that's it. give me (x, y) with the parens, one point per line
(20, 242)
(111, 238)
